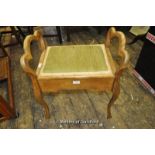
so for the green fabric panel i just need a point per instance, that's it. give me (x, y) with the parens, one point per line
(75, 59)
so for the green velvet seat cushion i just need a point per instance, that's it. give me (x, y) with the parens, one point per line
(78, 58)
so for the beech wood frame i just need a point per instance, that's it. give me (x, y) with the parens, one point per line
(113, 85)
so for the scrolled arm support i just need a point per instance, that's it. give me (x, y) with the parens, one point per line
(112, 33)
(123, 64)
(27, 56)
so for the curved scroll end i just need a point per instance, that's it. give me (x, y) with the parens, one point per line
(121, 49)
(121, 37)
(27, 56)
(38, 34)
(24, 63)
(112, 30)
(42, 42)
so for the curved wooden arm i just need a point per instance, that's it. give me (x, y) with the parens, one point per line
(27, 56)
(124, 63)
(121, 49)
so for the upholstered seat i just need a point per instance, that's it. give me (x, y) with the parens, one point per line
(88, 67)
(75, 60)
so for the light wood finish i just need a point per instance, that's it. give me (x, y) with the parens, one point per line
(55, 85)
(25, 64)
(89, 80)
(123, 64)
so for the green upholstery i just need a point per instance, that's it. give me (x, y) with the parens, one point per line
(78, 58)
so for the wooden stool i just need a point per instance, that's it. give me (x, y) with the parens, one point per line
(88, 67)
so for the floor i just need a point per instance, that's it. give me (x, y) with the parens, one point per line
(135, 107)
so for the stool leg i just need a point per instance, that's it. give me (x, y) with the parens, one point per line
(39, 97)
(41, 101)
(116, 92)
(115, 95)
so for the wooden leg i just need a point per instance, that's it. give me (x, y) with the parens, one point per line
(44, 105)
(112, 100)
(5, 110)
(39, 97)
(116, 92)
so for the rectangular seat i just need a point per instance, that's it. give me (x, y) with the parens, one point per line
(75, 67)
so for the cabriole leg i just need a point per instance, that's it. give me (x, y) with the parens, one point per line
(39, 97)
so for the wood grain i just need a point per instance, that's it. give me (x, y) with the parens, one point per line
(47, 84)
(134, 108)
